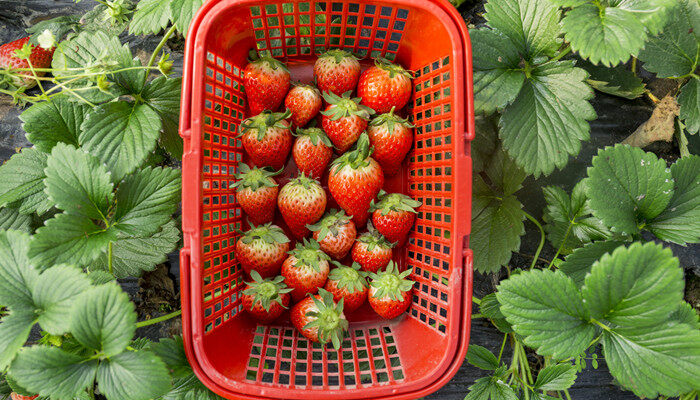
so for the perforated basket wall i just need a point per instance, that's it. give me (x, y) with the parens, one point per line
(403, 358)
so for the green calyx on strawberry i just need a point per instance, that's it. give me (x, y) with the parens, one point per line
(372, 238)
(390, 120)
(266, 291)
(268, 233)
(349, 278)
(391, 283)
(270, 62)
(315, 135)
(393, 69)
(355, 159)
(303, 181)
(394, 202)
(345, 106)
(308, 253)
(265, 120)
(254, 178)
(330, 223)
(338, 55)
(329, 319)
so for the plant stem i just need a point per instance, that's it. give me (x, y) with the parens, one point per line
(474, 316)
(566, 393)
(159, 48)
(541, 245)
(566, 50)
(566, 236)
(36, 77)
(503, 346)
(476, 300)
(110, 257)
(154, 321)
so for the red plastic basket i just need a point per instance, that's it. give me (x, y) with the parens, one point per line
(405, 358)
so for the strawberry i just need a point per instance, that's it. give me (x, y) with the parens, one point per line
(306, 269)
(267, 139)
(344, 119)
(266, 82)
(393, 216)
(256, 192)
(304, 101)
(371, 250)
(384, 85)
(262, 249)
(336, 71)
(390, 291)
(265, 299)
(348, 284)
(38, 58)
(15, 396)
(392, 137)
(312, 151)
(301, 201)
(320, 319)
(335, 232)
(354, 181)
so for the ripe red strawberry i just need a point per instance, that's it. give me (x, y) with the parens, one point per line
(371, 250)
(306, 269)
(335, 232)
(384, 85)
(265, 299)
(336, 71)
(354, 181)
(344, 120)
(256, 192)
(304, 101)
(267, 139)
(348, 284)
(38, 57)
(266, 82)
(15, 396)
(393, 216)
(390, 291)
(301, 201)
(262, 249)
(392, 137)
(312, 151)
(320, 319)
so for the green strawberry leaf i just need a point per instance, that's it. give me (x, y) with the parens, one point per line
(98, 277)
(22, 178)
(617, 81)
(138, 375)
(548, 120)
(547, 309)
(56, 121)
(99, 19)
(103, 319)
(578, 264)
(635, 286)
(146, 200)
(182, 13)
(628, 187)
(658, 359)
(491, 309)
(490, 388)
(59, 27)
(163, 95)
(555, 377)
(481, 357)
(569, 223)
(11, 219)
(71, 239)
(78, 183)
(134, 254)
(680, 221)
(675, 51)
(50, 371)
(484, 144)
(54, 294)
(121, 134)
(685, 314)
(150, 17)
(689, 101)
(497, 79)
(497, 216)
(532, 26)
(14, 332)
(17, 275)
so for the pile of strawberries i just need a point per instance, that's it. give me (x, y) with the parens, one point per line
(371, 142)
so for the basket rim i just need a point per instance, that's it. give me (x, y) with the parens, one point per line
(193, 338)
